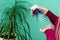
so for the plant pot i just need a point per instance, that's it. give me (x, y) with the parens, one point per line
(6, 36)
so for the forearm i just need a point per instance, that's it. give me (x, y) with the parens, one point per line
(43, 10)
(51, 16)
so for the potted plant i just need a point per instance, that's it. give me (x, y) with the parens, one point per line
(14, 24)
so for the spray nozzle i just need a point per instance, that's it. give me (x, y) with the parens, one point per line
(36, 11)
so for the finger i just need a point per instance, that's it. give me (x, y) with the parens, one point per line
(34, 7)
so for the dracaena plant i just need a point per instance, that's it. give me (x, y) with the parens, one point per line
(14, 24)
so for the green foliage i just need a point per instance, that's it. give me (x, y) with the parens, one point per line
(14, 24)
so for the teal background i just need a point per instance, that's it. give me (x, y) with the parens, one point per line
(34, 25)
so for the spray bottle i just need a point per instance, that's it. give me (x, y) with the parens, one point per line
(35, 12)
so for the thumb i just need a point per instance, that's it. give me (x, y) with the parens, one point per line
(42, 30)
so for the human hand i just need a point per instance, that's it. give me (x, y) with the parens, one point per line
(42, 9)
(34, 7)
(42, 30)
